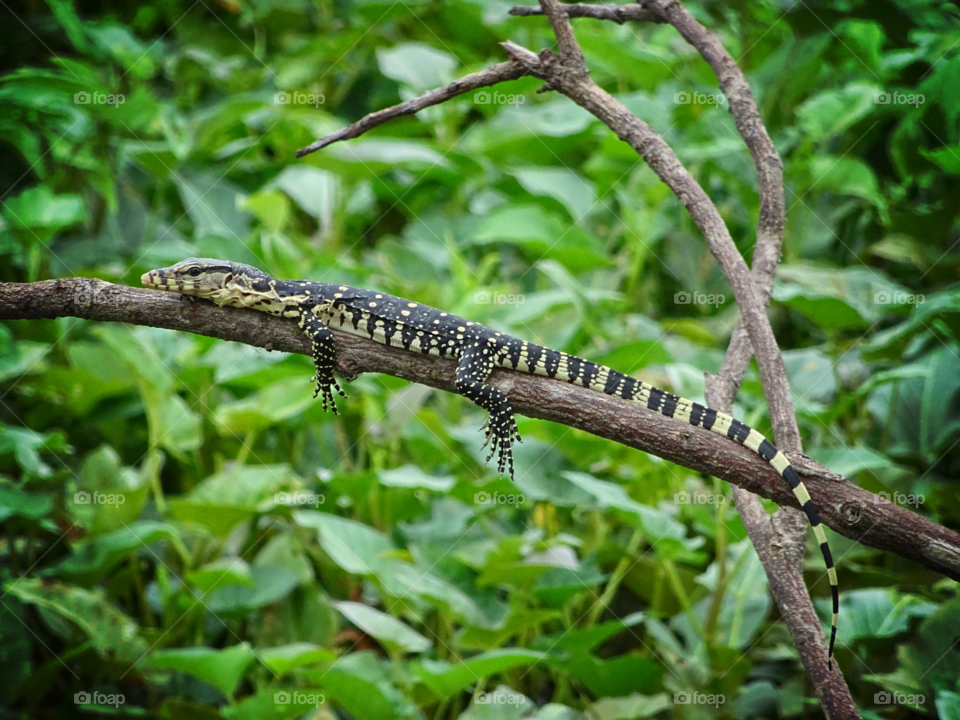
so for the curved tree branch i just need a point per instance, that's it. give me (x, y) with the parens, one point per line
(778, 539)
(849, 510)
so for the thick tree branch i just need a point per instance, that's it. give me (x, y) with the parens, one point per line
(846, 508)
(780, 538)
(484, 78)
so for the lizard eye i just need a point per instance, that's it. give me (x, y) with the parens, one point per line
(194, 271)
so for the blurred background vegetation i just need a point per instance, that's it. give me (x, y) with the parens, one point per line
(386, 584)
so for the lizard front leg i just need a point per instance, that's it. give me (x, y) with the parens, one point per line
(476, 364)
(324, 354)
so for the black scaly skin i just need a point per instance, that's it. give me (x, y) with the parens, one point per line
(390, 320)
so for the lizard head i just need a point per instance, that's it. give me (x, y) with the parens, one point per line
(202, 277)
(223, 282)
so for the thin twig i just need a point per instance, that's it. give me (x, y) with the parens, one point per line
(616, 13)
(570, 53)
(484, 78)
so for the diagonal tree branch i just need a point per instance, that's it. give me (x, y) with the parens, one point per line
(779, 539)
(850, 510)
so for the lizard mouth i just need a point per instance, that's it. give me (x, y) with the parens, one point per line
(153, 280)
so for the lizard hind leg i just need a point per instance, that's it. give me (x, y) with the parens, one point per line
(476, 364)
(324, 355)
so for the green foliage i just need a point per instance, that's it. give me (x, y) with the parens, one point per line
(184, 526)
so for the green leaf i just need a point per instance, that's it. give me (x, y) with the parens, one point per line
(446, 680)
(180, 427)
(39, 207)
(417, 65)
(275, 704)
(109, 495)
(630, 707)
(655, 523)
(848, 176)
(221, 573)
(285, 658)
(946, 158)
(353, 546)
(119, 42)
(411, 476)
(385, 628)
(848, 461)
(582, 642)
(316, 191)
(212, 203)
(565, 186)
(878, 613)
(635, 355)
(388, 153)
(746, 601)
(832, 111)
(362, 685)
(112, 634)
(271, 405)
(20, 357)
(524, 119)
(95, 557)
(811, 377)
(66, 15)
(271, 207)
(948, 705)
(222, 500)
(931, 662)
(502, 703)
(270, 585)
(26, 445)
(520, 620)
(836, 299)
(14, 502)
(221, 668)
